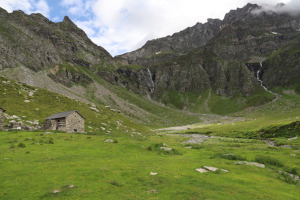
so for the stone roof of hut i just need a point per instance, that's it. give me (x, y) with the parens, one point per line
(2, 109)
(63, 115)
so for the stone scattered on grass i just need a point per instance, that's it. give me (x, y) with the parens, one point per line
(292, 154)
(166, 148)
(31, 93)
(286, 146)
(201, 170)
(95, 109)
(26, 101)
(224, 170)
(210, 168)
(55, 191)
(153, 173)
(153, 191)
(293, 176)
(250, 163)
(189, 147)
(293, 138)
(109, 140)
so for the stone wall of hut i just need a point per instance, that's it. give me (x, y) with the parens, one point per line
(74, 123)
(1, 119)
(49, 125)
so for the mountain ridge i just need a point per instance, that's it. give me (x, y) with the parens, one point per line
(193, 70)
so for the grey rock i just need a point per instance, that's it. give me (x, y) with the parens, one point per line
(293, 138)
(210, 168)
(250, 163)
(201, 170)
(166, 148)
(109, 140)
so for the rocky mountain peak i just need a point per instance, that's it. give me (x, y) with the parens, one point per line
(67, 20)
(240, 13)
(37, 43)
(2, 10)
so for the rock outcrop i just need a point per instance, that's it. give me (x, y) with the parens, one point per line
(37, 43)
(218, 55)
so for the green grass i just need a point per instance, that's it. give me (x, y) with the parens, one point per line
(223, 105)
(43, 104)
(82, 166)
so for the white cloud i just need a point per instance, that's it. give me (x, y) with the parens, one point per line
(77, 7)
(11, 5)
(42, 7)
(28, 6)
(55, 19)
(125, 25)
(291, 7)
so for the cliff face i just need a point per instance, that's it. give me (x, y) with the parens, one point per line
(179, 43)
(244, 28)
(282, 68)
(213, 56)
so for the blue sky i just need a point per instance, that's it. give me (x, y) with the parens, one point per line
(125, 25)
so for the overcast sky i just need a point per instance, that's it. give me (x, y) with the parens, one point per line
(125, 25)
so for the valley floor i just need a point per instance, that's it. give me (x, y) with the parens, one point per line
(38, 165)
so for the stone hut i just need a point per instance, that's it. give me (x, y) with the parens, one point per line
(1, 118)
(70, 121)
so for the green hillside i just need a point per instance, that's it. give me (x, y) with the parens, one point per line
(30, 103)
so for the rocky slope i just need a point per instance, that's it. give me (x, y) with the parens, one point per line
(218, 61)
(244, 26)
(282, 68)
(197, 69)
(179, 43)
(38, 44)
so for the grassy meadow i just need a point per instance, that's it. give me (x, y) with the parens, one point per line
(35, 165)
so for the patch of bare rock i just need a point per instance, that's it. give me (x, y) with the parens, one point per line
(194, 138)
(209, 169)
(250, 163)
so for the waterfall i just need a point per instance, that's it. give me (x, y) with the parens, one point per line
(152, 85)
(261, 82)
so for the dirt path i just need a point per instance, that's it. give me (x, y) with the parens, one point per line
(208, 120)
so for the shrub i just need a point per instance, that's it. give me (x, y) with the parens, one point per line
(50, 141)
(115, 141)
(288, 178)
(115, 183)
(268, 161)
(21, 145)
(157, 147)
(12, 146)
(291, 170)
